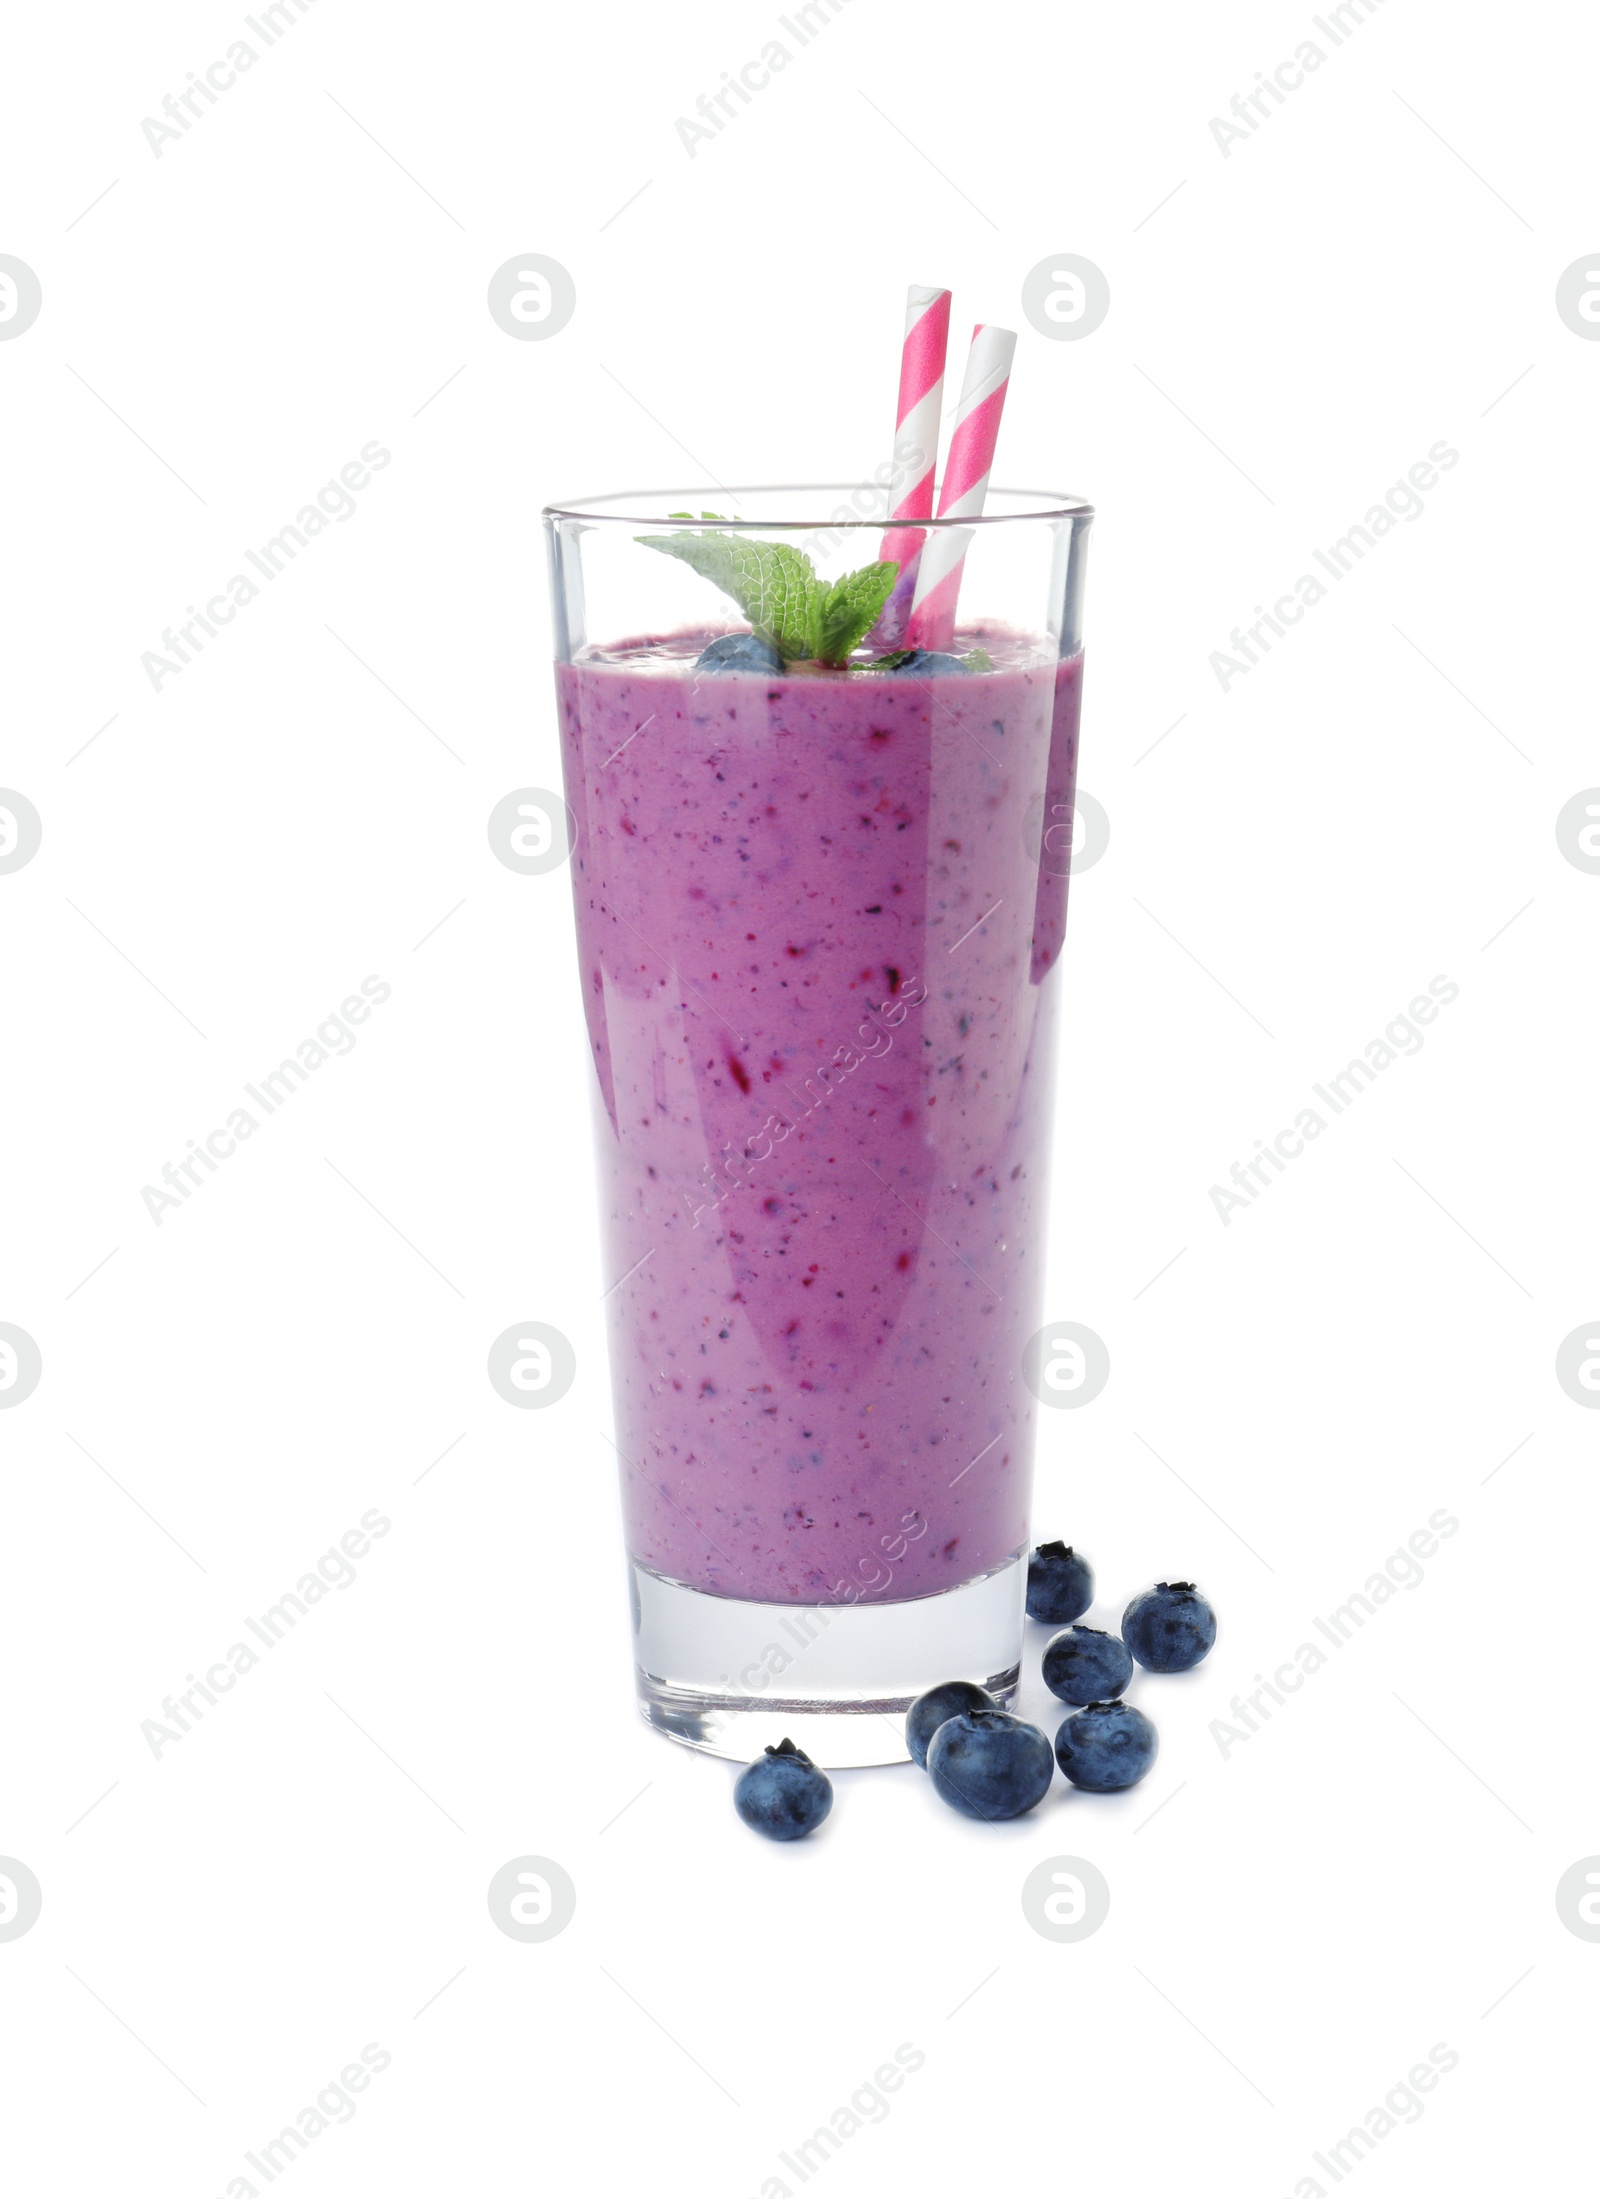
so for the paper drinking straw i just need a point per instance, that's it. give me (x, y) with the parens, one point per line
(965, 485)
(916, 443)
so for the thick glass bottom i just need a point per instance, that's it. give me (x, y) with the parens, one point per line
(730, 1678)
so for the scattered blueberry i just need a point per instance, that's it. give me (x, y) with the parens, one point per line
(1106, 1747)
(1060, 1584)
(925, 664)
(988, 1764)
(1169, 1627)
(739, 653)
(782, 1794)
(929, 1712)
(1082, 1665)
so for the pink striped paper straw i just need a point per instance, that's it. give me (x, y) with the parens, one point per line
(916, 444)
(965, 485)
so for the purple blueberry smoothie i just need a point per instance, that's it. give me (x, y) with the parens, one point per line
(817, 962)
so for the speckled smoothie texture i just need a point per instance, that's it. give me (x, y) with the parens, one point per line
(817, 958)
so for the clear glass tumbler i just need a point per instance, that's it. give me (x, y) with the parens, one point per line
(819, 913)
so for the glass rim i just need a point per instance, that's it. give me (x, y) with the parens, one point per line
(617, 506)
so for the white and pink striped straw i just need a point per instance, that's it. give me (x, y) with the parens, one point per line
(916, 444)
(965, 485)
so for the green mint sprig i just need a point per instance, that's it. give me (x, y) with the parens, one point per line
(777, 589)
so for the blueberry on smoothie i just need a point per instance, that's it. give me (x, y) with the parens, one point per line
(929, 1712)
(1169, 1627)
(1106, 1747)
(1082, 1665)
(990, 1765)
(783, 1795)
(739, 653)
(925, 664)
(1060, 1584)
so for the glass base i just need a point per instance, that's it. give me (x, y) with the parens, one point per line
(837, 1679)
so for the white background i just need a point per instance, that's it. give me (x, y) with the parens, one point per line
(1374, 1871)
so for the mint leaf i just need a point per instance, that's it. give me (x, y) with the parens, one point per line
(776, 587)
(851, 607)
(979, 659)
(892, 661)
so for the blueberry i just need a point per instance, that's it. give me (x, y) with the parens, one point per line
(1060, 1584)
(925, 664)
(1169, 1627)
(783, 1794)
(1082, 1665)
(739, 653)
(1106, 1747)
(929, 1712)
(988, 1764)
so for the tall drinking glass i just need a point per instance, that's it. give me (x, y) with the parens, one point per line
(820, 911)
